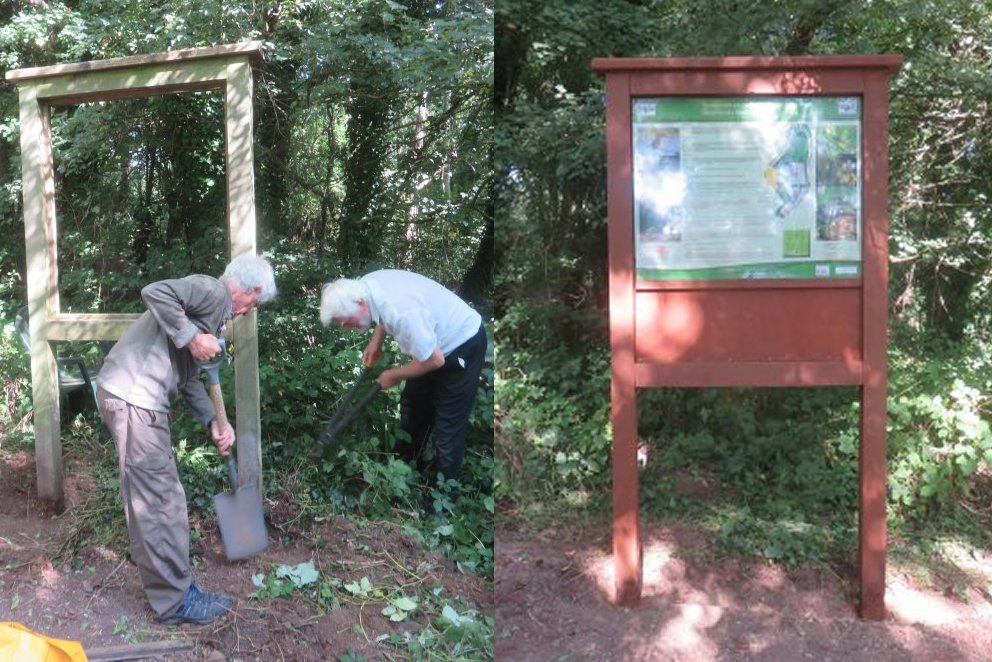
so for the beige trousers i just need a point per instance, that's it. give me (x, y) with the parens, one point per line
(154, 500)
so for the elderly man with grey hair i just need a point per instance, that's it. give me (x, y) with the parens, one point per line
(153, 362)
(445, 341)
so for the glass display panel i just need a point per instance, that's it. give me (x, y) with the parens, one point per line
(746, 187)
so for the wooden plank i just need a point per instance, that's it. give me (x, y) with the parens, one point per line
(121, 84)
(750, 373)
(39, 240)
(750, 284)
(89, 326)
(887, 63)
(252, 49)
(748, 325)
(138, 651)
(238, 125)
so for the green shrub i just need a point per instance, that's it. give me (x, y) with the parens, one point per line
(939, 439)
(553, 414)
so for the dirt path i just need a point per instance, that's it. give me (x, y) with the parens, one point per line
(96, 599)
(553, 603)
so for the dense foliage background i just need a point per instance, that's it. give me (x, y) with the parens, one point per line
(780, 466)
(373, 149)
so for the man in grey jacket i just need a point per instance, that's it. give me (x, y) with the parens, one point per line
(153, 362)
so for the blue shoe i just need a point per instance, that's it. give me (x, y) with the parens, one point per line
(220, 598)
(199, 608)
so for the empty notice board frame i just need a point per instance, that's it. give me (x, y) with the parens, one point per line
(748, 238)
(226, 69)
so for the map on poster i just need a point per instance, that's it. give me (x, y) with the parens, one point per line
(735, 187)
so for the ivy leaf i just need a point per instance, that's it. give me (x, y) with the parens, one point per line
(405, 603)
(452, 616)
(362, 587)
(300, 575)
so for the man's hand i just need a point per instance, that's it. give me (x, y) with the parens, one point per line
(414, 368)
(374, 349)
(204, 346)
(389, 378)
(223, 438)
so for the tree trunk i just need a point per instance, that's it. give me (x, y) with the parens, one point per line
(146, 225)
(362, 223)
(478, 281)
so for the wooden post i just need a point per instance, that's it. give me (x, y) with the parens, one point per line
(42, 284)
(241, 221)
(626, 525)
(872, 527)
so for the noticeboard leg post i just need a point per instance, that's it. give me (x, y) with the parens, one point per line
(627, 554)
(871, 519)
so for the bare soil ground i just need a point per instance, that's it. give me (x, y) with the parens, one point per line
(554, 591)
(95, 597)
(552, 599)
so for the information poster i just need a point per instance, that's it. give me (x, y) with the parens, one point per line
(734, 187)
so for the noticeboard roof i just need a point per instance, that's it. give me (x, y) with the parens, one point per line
(889, 62)
(252, 49)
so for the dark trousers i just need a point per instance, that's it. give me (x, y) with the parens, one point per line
(443, 400)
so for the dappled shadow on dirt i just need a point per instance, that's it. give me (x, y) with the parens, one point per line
(95, 596)
(554, 591)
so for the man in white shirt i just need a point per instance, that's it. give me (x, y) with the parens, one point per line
(445, 341)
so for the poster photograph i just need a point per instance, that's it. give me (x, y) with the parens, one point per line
(747, 188)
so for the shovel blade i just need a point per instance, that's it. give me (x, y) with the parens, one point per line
(242, 528)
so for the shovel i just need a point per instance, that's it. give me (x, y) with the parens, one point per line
(343, 415)
(239, 512)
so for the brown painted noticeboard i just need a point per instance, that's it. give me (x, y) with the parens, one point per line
(748, 238)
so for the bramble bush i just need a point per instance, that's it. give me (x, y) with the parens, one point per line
(940, 444)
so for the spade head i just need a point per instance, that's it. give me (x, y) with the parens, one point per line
(242, 528)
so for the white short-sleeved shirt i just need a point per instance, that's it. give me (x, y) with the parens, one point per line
(419, 313)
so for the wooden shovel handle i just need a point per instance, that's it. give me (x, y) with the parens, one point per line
(372, 359)
(220, 413)
(213, 376)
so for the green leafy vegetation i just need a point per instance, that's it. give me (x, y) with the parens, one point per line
(448, 629)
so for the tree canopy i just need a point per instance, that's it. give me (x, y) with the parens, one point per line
(373, 131)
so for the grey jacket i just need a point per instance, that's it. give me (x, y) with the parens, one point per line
(150, 365)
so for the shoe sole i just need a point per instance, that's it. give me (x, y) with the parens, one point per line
(179, 620)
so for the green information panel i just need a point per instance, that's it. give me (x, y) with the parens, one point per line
(730, 187)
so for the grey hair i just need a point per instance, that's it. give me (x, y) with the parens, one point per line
(250, 271)
(341, 298)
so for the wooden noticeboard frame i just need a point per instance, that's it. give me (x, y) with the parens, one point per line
(227, 69)
(757, 331)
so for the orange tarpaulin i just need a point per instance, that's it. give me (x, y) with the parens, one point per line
(19, 644)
